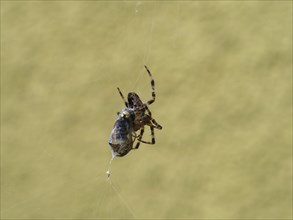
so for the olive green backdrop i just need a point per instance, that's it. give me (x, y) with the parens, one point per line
(224, 93)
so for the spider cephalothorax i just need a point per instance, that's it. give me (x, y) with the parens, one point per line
(142, 117)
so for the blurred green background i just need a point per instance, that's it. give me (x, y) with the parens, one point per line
(224, 92)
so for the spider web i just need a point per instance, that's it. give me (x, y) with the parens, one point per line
(148, 41)
(104, 190)
(57, 58)
(147, 52)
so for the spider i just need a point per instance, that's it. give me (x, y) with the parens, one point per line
(143, 116)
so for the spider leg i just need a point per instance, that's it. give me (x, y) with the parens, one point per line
(137, 145)
(154, 123)
(134, 135)
(139, 138)
(153, 87)
(147, 142)
(125, 102)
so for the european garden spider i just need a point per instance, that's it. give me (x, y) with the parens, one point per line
(143, 115)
